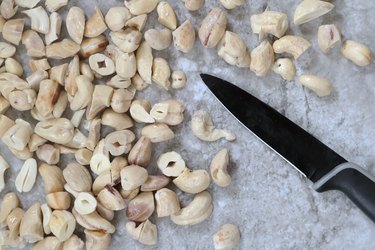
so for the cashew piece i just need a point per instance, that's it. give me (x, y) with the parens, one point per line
(52, 177)
(158, 132)
(309, 10)
(9, 203)
(321, 86)
(14, 221)
(128, 40)
(48, 153)
(158, 39)
(18, 136)
(82, 97)
(126, 65)
(184, 37)
(78, 177)
(155, 183)
(139, 111)
(95, 25)
(73, 242)
(97, 240)
(59, 130)
(167, 202)
(166, 15)
(101, 64)
(22, 100)
(161, 73)
(140, 154)
(193, 181)
(14, 67)
(116, 120)
(178, 79)
(294, 45)
(54, 5)
(116, 18)
(356, 52)
(231, 4)
(54, 29)
(269, 22)
(101, 98)
(31, 228)
(144, 61)
(218, 169)
(141, 207)
(94, 222)
(26, 178)
(171, 164)
(138, 7)
(146, 233)
(137, 22)
(227, 237)
(12, 30)
(58, 200)
(62, 224)
(203, 128)
(213, 28)
(119, 142)
(132, 177)
(198, 210)
(121, 100)
(285, 68)
(193, 5)
(328, 37)
(75, 24)
(47, 214)
(3, 167)
(91, 46)
(49, 242)
(6, 50)
(262, 59)
(49, 92)
(233, 50)
(63, 49)
(39, 19)
(8, 9)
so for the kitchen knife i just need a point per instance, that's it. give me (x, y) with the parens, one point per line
(316, 161)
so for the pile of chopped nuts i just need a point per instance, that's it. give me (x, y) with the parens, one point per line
(110, 173)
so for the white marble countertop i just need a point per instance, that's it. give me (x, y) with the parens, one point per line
(274, 207)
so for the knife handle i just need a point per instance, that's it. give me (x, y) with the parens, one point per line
(355, 182)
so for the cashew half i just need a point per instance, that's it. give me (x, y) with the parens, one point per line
(158, 39)
(231, 4)
(49, 92)
(101, 98)
(9, 203)
(294, 45)
(178, 79)
(140, 111)
(78, 177)
(262, 59)
(59, 130)
(119, 142)
(193, 181)
(167, 202)
(161, 73)
(39, 19)
(233, 50)
(52, 177)
(54, 29)
(111, 199)
(31, 228)
(75, 24)
(128, 40)
(272, 22)
(144, 61)
(141, 207)
(94, 222)
(213, 28)
(193, 5)
(328, 37)
(95, 25)
(309, 10)
(171, 164)
(166, 15)
(184, 37)
(138, 7)
(82, 97)
(227, 237)
(198, 210)
(12, 30)
(321, 86)
(126, 65)
(218, 168)
(116, 18)
(145, 233)
(97, 240)
(203, 128)
(62, 224)
(356, 52)
(18, 135)
(285, 68)
(91, 46)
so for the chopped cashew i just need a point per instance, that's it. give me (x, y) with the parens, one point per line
(294, 45)
(272, 22)
(321, 86)
(356, 52)
(309, 10)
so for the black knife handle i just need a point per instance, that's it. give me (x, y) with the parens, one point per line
(355, 182)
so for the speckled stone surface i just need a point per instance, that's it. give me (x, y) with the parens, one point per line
(274, 207)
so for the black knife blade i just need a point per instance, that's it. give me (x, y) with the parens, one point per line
(327, 169)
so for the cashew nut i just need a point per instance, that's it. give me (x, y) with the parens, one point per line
(70, 76)
(4, 106)
(94, 222)
(161, 73)
(13, 66)
(29, 4)
(62, 224)
(101, 64)
(49, 242)
(91, 46)
(74, 242)
(294, 45)
(321, 86)
(203, 128)
(141, 207)
(39, 19)
(3, 167)
(178, 79)
(100, 161)
(75, 24)
(52, 177)
(213, 28)
(82, 97)
(47, 214)
(116, 18)
(54, 5)
(269, 22)
(128, 40)
(101, 98)
(233, 50)
(155, 183)
(285, 68)
(171, 164)
(145, 233)
(166, 15)
(59, 130)
(95, 25)
(137, 22)
(138, 7)
(356, 52)
(119, 142)
(193, 181)
(309, 10)
(116, 120)
(18, 135)
(31, 227)
(140, 154)
(58, 200)
(184, 37)
(48, 153)
(14, 221)
(121, 100)
(61, 50)
(227, 237)
(54, 29)
(22, 100)
(8, 204)
(49, 92)
(328, 37)
(198, 210)
(78, 177)
(231, 4)
(12, 30)
(262, 59)
(83, 156)
(218, 168)
(158, 132)
(97, 240)
(193, 5)
(126, 65)
(132, 177)
(39, 65)
(170, 112)
(6, 50)
(144, 61)
(158, 39)
(139, 111)
(167, 202)
(121, 83)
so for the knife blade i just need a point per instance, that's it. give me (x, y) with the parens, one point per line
(316, 161)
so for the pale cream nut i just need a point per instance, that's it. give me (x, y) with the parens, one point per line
(57, 73)
(116, 18)
(49, 92)
(133, 176)
(116, 120)
(39, 19)
(357, 53)
(167, 202)
(227, 237)
(111, 199)
(171, 164)
(8, 204)
(231, 4)
(269, 22)
(158, 132)
(309, 10)
(70, 76)
(184, 37)
(49, 242)
(54, 5)
(146, 233)
(233, 50)
(3, 167)
(119, 142)
(18, 135)
(7, 50)
(83, 156)
(14, 221)
(178, 79)
(137, 22)
(138, 7)
(218, 169)
(63, 49)
(55, 20)
(158, 39)
(144, 61)
(74, 242)
(126, 65)
(213, 28)
(193, 181)
(62, 224)
(91, 46)
(321, 86)
(13, 66)
(97, 240)
(75, 24)
(161, 73)
(170, 112)
(328, 37)
(22, 100)
(155, 182)
(128, 40)
(95, 25)
(285, 68)
(58, 200)
(47, 214)
(262, 59)
(166, 15)
(94, 222)
(121, 100)
(140, 154)
(59, 130)
(78, 177)
(8, 9)
(193, 5)
(101, 98)
(84, 94)
(48, 153)
(101, 64)
(294, 45)
(100, 161)
(34, 44)
(140, 111)
(85, 203)
(26, 177)
(31, 227)
(35, 142)
(141, 207)
(12, 30)
(121, 83)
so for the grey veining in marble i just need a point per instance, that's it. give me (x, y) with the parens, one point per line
(274, 207)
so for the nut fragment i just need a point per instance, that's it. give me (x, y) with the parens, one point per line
(121, 100)
(321, 86)
(231, 4)
(132, 177)
(138, 7)
(82, 97)
(101, 64)
(74, 242)
(54, 5)
(111, 199)
(48, 153)
(35, 142)
(126, 65)
(158, 39)
(328, 37)
(8, 204)
(97, 240)
(61, 50)
(54, 29)
(35, 78)
(14, 221)
(116, 120)
(144, 61)
(170, 112)
(62, 224)
(13, 66)
(33, 43)
(59, 130)
(12, 30)
(158, 132)
(91, 46)
(145, 233)
(285, 68)
(119, 142)
(22, 154)
(39, 65)
(128, 40)
(138, 83)
(70, 76)
(8, 9)
(233, 50)
(116, 18)
(78, 177)
(141, 207)
(155, 182)
(167, 202)
(58, 200)
(227, 237)
(166, 15)
(121, 83)
(213, 28)
(309, 10)
(141, 152)
(31, 228)
(294, 45)
(75, 24)
(137, 22)
(4, 106)
(356, 52)
(47, 214)
(171, 164)
(161, 73)
(39, 19)
(193, 5)
(22, 100)
(94, 222)
(85, 203)
(203, 128)
(26, 178)
(6, 50)
(193, 181)
(198, 210)
(269, 22)
(178, 79)
(50, 242)
(83, 156)
(18, 135)
(218, 168)
(184, 37)
(100, 160)
(49, 92)
(101, 98)
(139, 111)
(61, 104)
(3, 167)
(96, 24)
(262, 59)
